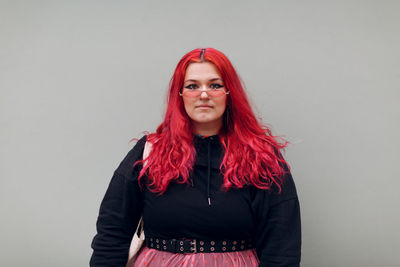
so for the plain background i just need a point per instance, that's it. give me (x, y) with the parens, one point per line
(79, 79)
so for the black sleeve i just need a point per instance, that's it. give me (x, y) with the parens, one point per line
(278, 231)
(119, 213)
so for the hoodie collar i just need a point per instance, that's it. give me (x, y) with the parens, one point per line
(211, 144)
(209, 155)
(206, 137)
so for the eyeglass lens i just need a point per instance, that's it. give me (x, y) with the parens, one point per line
(196, 93)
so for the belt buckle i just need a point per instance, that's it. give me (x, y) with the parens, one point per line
(194, 248)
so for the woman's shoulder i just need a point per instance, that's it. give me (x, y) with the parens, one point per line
(277, 194)
(126, 167)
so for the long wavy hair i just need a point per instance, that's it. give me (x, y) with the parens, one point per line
(251, 152)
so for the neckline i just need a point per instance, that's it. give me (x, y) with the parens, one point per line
(204, 137)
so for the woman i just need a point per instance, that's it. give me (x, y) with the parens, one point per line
(214, 190)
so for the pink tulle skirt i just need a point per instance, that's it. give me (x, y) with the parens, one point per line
(149, 257)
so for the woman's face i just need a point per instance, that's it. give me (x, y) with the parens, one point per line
(205, 111)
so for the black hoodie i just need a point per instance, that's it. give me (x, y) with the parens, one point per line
(200, 210)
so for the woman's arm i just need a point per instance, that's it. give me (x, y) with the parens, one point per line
(280, 242)
(278, 233)
(119, 214)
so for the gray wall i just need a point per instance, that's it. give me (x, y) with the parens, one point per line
(79, 79)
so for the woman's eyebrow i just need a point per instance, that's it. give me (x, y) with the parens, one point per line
(211, 80)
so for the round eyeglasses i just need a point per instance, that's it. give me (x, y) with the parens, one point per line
(213, 92)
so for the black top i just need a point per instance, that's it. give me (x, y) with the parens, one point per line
(200, 210)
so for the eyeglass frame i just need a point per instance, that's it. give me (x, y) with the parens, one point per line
(205, 90)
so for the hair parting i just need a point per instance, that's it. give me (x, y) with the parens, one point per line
(202, 54)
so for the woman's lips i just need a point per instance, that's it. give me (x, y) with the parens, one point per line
(203, 107)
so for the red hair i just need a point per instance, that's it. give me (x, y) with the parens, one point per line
(251, 156)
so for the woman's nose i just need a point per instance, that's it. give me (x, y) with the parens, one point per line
(204, 93)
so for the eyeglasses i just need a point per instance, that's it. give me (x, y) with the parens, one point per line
(213, 92)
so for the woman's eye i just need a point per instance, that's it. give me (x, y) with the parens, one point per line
(191, 86)
(216, 86)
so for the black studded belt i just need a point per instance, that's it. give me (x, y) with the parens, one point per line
(184, 245)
